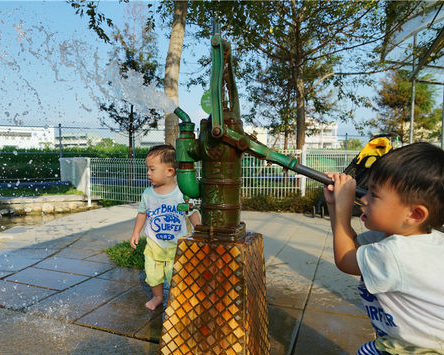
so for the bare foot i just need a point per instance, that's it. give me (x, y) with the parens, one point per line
(153, 302)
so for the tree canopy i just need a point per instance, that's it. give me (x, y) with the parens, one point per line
(322, 49)
(393, 104)
(294, 58)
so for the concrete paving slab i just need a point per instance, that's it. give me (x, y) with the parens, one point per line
(12, 262)
(290, 272)
(283, 323)
(18, 296)
(46, 278)
(311, 303)
(29, 334)
(33, 253)
(125, 315)
(81, 299)
(76, 253)
(4, 274)
(100, 258)
(333, 290)
(52, 243)
(74, 266)
(152, 331)
(332, 334)
(132, 276)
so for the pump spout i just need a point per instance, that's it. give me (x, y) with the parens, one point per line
(186, 156)
(182, 115)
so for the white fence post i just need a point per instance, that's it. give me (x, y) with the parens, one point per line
(303, 162)
(88, 180)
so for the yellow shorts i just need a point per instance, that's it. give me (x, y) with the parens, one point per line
(159, 263)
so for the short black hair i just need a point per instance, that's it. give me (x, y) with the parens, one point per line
(166, 154)
(416, 172)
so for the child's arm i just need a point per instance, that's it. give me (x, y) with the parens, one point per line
(138, 225)
(195, 218)
(339, 200)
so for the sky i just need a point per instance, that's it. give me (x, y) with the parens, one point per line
(50, 62)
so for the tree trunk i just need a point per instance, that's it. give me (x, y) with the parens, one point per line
(286, 138)
(172, 66)
(300, 117)
(298, 79)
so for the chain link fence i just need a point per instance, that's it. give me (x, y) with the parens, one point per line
(125, 179)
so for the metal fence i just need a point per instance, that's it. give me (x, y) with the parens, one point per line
(120, 179)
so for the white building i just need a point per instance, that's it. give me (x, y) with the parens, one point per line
(26, 137)
(154, 136)
(322, 135)
(80, 139)
(318, 135)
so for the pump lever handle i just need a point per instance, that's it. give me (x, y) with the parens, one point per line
(321, 177)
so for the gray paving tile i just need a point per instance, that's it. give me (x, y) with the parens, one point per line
(46, 278)
(12, 262)
(122, 274)
(76, 253)
(80, 299)
(18, 296)
(282, 323)
(28, 334)
(54, 243)
(151, 331)
(333, 290)
(4, 274)
(80, 267)
(100, 258)
(332, 334)
(126, 314)
(37, 253)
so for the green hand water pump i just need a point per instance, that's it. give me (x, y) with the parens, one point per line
(220, 146)
(217, 302)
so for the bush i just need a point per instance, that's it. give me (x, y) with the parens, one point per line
(43, 164)
(293, 203)
(20, 191)
(123, 255)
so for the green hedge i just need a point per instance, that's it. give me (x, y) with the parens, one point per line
(292, 203)
(43, 164)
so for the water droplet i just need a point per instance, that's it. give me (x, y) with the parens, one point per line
(15, 152)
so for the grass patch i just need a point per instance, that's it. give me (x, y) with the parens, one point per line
(123, 255)
(110, 203)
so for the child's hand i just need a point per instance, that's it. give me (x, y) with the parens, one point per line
(329, 191)
(134, 241)
(343, 191)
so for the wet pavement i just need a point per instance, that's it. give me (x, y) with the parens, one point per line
(60, 294)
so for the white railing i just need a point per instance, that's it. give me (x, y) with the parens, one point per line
(120, 179)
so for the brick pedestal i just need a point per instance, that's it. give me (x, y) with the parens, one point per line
(217, 302)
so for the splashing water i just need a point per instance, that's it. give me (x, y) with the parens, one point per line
(132, 89)
(65, 58)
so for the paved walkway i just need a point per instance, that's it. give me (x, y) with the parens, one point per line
(60, 294)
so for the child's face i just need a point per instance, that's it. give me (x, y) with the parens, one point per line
(383, 210)
(158, 173)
